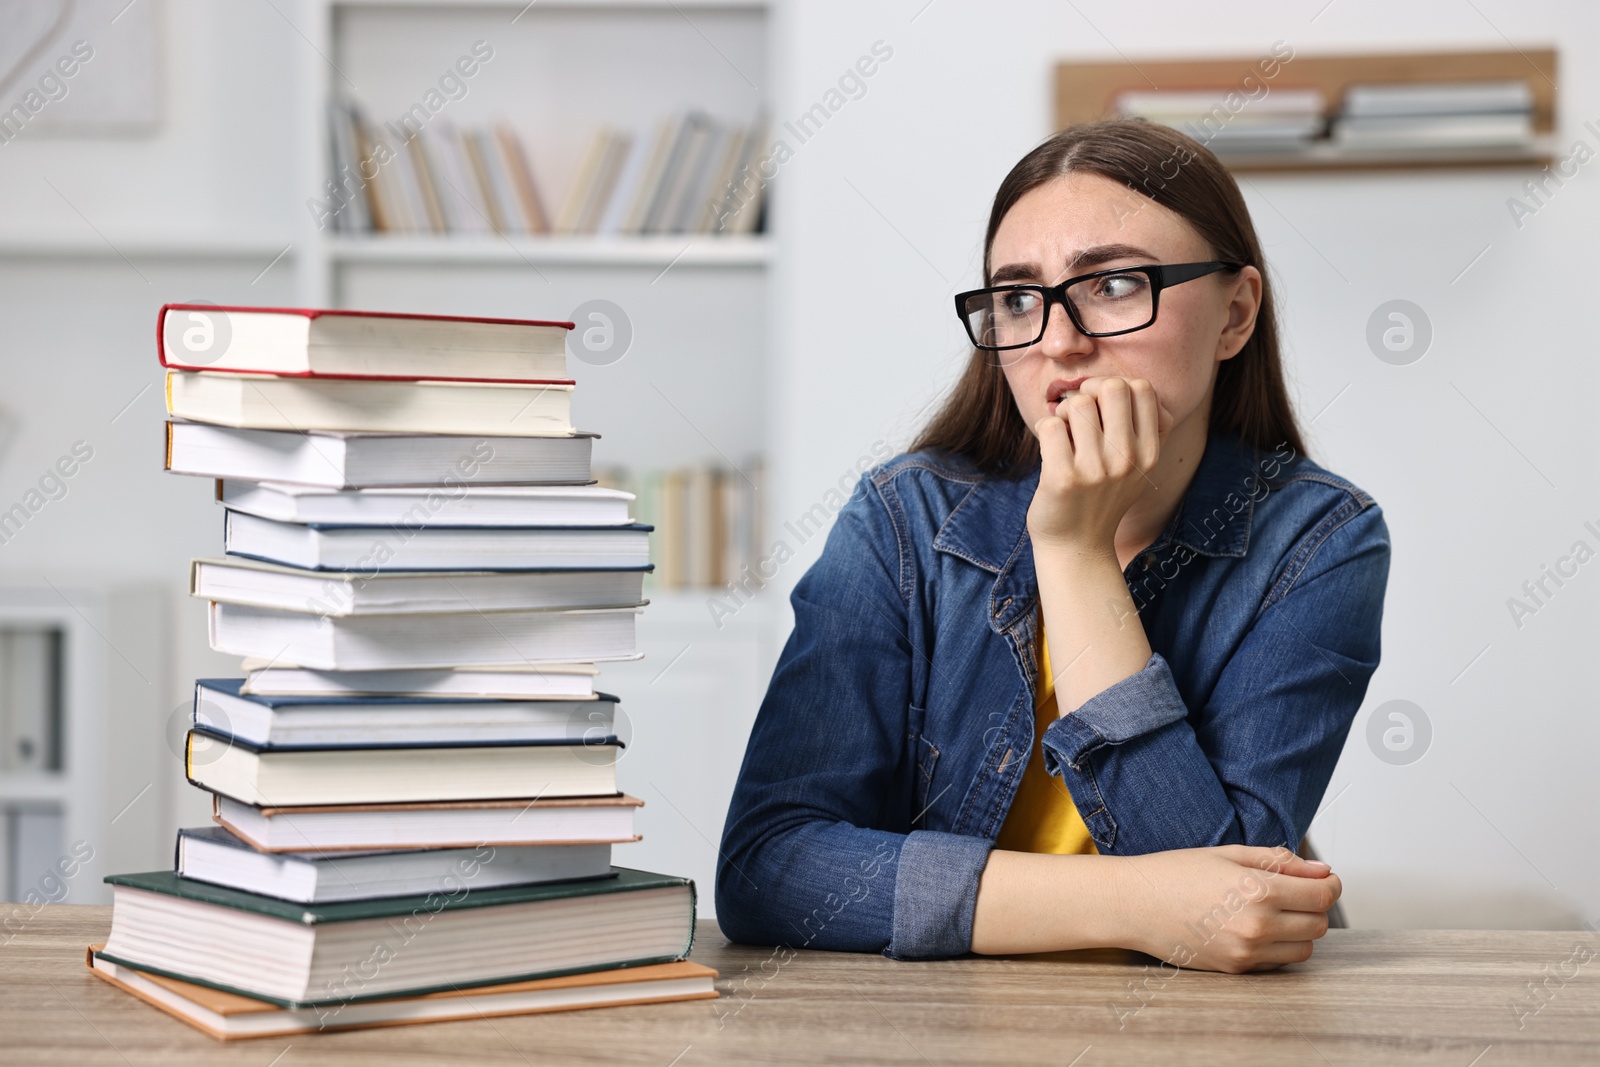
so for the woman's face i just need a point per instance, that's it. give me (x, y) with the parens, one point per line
(1081, 223)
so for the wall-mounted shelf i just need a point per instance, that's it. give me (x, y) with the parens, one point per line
(1085, 92)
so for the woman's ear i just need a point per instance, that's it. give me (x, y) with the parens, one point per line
(1244, 300)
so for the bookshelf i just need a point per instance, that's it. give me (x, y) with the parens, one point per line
(1085, 92)
(692, 388)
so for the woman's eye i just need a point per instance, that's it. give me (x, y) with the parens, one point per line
(1120, 286)
(1020, 302)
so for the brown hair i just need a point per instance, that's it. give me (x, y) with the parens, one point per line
(979, 419)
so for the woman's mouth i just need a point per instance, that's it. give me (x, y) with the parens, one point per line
(1059, 389)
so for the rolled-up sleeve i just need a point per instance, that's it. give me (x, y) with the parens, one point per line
(1251, 764)
(815, 852)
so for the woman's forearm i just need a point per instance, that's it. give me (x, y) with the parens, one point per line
(1034, 902)
(1230, 908)
(1096, 638)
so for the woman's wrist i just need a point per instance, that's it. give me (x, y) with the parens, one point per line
(1073, 552)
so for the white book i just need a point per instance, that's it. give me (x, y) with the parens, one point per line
(270, 402)
(644, 194)
(518, 821)
(501, 190)
(1184, 103)
(385, 642)
(310, 342)
(370, 550)
(482, 505)
(221, 706)
(549, 681)
(215, 855)
(627, 186)
(271, 585)
(1438, 98)
(700, 179)
(682, 172)
(340, 460)
(459, 194)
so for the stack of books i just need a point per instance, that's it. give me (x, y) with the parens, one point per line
(693, 173)
(1229, 122)
(414, 782)
(1436, 115)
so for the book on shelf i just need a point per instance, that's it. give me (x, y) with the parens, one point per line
(463, 505)
(1492, 113)
(230, 1016)
(212, 854)
(383, 642)
(1375, 99)
(395, 774)
(303, 955)
(1489, 130)
(692, 173)
(435, 547)
(338, 459)
(222, 706)
(1225, 121)
(268, 402)
(706, 521)
(434, 824)
(550, 681)
(311, 342)
(262, 584)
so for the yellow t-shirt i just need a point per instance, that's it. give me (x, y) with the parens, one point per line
(1043, 817)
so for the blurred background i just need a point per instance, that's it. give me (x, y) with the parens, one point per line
(772, 316)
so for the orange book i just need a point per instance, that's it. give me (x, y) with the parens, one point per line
(229, 1016)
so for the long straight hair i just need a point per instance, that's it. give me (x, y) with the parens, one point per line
(979, 419)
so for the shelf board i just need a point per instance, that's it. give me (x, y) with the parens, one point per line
(1085, 92)
(17, 787)
(685, 250)
(143, 246)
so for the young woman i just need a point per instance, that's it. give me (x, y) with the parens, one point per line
(1075, 671)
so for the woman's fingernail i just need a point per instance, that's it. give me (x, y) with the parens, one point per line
(1319, 863)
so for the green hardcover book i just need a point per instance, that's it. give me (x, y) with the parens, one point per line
(455, 937)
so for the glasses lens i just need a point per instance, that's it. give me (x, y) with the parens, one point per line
(1113, 302)
(1005, 317)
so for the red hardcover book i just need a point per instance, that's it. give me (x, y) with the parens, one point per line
(318, 343)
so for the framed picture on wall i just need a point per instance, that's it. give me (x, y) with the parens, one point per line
(80, 68)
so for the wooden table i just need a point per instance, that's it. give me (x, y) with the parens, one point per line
(1366, 997)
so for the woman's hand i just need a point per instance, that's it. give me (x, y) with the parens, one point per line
(1097, 451)
(1232, 908)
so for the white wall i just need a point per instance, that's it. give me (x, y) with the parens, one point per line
(1478, 832)
(883, 214)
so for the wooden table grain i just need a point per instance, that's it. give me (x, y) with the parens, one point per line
(1464, 998)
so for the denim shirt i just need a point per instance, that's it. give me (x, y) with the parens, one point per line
(899, 718)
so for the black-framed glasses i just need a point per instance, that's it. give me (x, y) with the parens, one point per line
(1103, 304)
